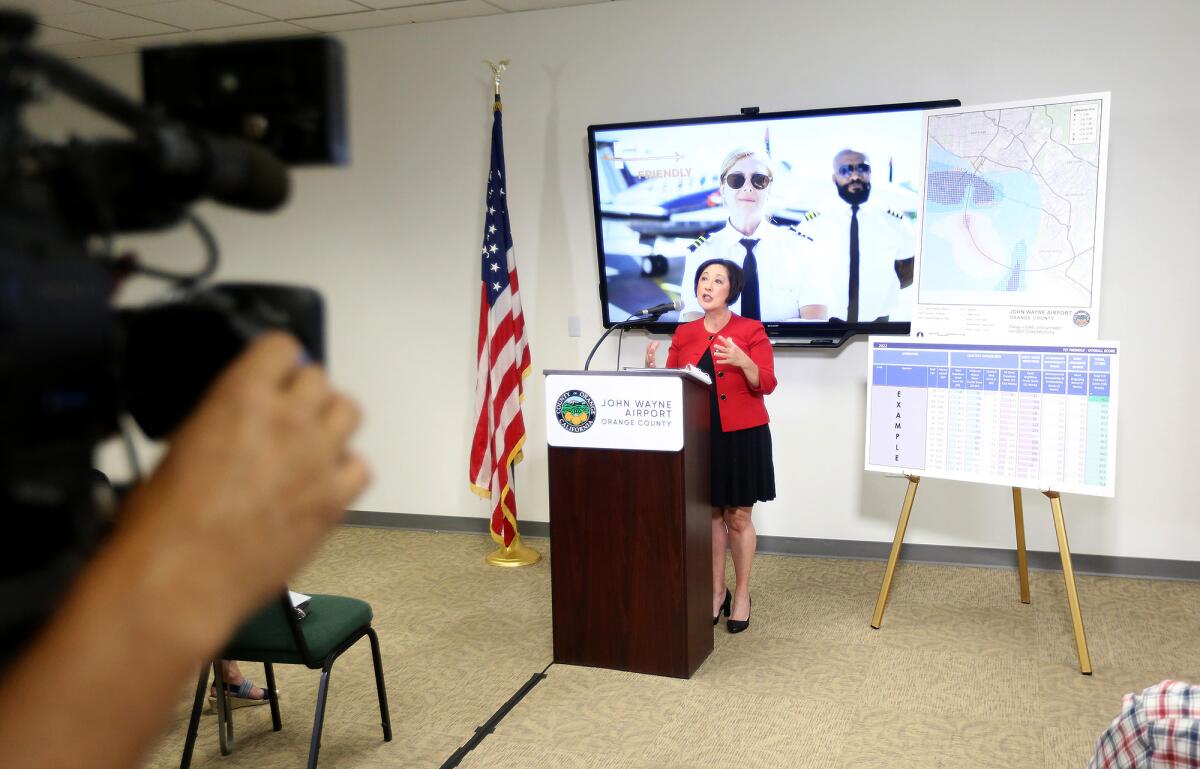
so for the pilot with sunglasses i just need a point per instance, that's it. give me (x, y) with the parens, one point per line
(784, 279)
(885, 247)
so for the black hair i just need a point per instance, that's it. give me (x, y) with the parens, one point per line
(737, 278)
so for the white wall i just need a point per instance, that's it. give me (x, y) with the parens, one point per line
(392, 240)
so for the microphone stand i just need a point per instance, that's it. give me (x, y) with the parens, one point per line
(623, 324)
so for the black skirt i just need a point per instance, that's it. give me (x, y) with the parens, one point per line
(742, 470)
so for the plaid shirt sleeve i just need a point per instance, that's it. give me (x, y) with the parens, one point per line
(1158, 729)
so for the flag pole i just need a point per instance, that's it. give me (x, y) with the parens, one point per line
(516, 553)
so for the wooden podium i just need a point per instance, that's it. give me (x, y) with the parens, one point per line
(630, 520)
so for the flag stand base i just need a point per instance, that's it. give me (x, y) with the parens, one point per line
(515, 554)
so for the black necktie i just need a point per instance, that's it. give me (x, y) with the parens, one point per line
(852, 312)
(750, 290)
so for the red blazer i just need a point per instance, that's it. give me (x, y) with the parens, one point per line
(740, 406)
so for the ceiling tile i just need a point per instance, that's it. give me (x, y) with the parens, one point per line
(457, 9)
(536, 5)
(171, 38)
(89, 48)
(195, 14)
(45, 36)
(251, 31)
(298, 9)
(382, 4)
(42, 8)
(106, 24)
(362, 20)
(268, 29)
(121, 3)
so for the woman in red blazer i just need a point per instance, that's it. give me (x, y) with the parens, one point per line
(737, 355)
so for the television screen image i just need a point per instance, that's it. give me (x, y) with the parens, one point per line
(819, 205)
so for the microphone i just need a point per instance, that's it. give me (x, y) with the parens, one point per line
(637, 317)
(659, 309)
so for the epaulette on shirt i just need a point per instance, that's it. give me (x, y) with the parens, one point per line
(795, 228)
(895, 213)
(703, 238)
(808, 217)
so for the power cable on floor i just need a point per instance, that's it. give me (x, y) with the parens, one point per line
(491, 724)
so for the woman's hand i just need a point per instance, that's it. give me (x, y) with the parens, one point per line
(727, 353)
(651, 349)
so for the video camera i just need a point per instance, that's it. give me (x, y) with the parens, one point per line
(71, 364)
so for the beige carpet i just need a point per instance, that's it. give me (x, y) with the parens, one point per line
(960, 675)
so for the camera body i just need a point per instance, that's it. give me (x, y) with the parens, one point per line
(71, 363)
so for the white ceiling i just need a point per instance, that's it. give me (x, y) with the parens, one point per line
(82, 28)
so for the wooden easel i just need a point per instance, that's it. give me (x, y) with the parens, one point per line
(1064, 552)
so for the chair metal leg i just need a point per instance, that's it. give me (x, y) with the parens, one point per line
(894, 556)
(319, 719)
(194, 723)
(269, 671)
(224, 711)
(377, 659)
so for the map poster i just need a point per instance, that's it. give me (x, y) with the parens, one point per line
(1012, 219)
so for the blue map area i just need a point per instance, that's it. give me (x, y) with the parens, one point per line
(992, 216)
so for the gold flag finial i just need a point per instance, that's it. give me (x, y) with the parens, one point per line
(497, 69)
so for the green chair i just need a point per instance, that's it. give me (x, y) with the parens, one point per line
(331, 626)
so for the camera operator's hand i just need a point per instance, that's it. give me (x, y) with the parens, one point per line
(253, 480)
(258, 472)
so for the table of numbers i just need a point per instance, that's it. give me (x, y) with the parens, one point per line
(1031, 416)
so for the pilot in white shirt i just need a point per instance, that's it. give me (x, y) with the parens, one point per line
(886, 247)
(790, 281)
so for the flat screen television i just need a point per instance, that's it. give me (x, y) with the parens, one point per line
(800, 192)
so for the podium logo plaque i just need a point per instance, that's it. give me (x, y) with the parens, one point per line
(617, 411)
(576, 411)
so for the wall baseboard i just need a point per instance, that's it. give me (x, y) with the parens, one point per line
(1084, 563)
(452, 523)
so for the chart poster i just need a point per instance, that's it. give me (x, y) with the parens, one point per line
(1012, 219)
(1033, 416)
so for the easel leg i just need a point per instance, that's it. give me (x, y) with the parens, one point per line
(1022, 563)
(894, 556)
(1060, 528)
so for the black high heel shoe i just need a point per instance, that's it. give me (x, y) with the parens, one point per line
(737, 625)
(724, 606)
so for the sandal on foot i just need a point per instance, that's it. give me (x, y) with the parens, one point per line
(239, 695)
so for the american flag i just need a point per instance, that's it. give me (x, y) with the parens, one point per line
(502, 358)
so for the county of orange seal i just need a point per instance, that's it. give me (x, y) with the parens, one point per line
(576, 411)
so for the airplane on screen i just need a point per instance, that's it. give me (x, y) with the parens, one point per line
(630, 188)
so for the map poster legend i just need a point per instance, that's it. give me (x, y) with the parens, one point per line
(1032, 416)
(1012, 219)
